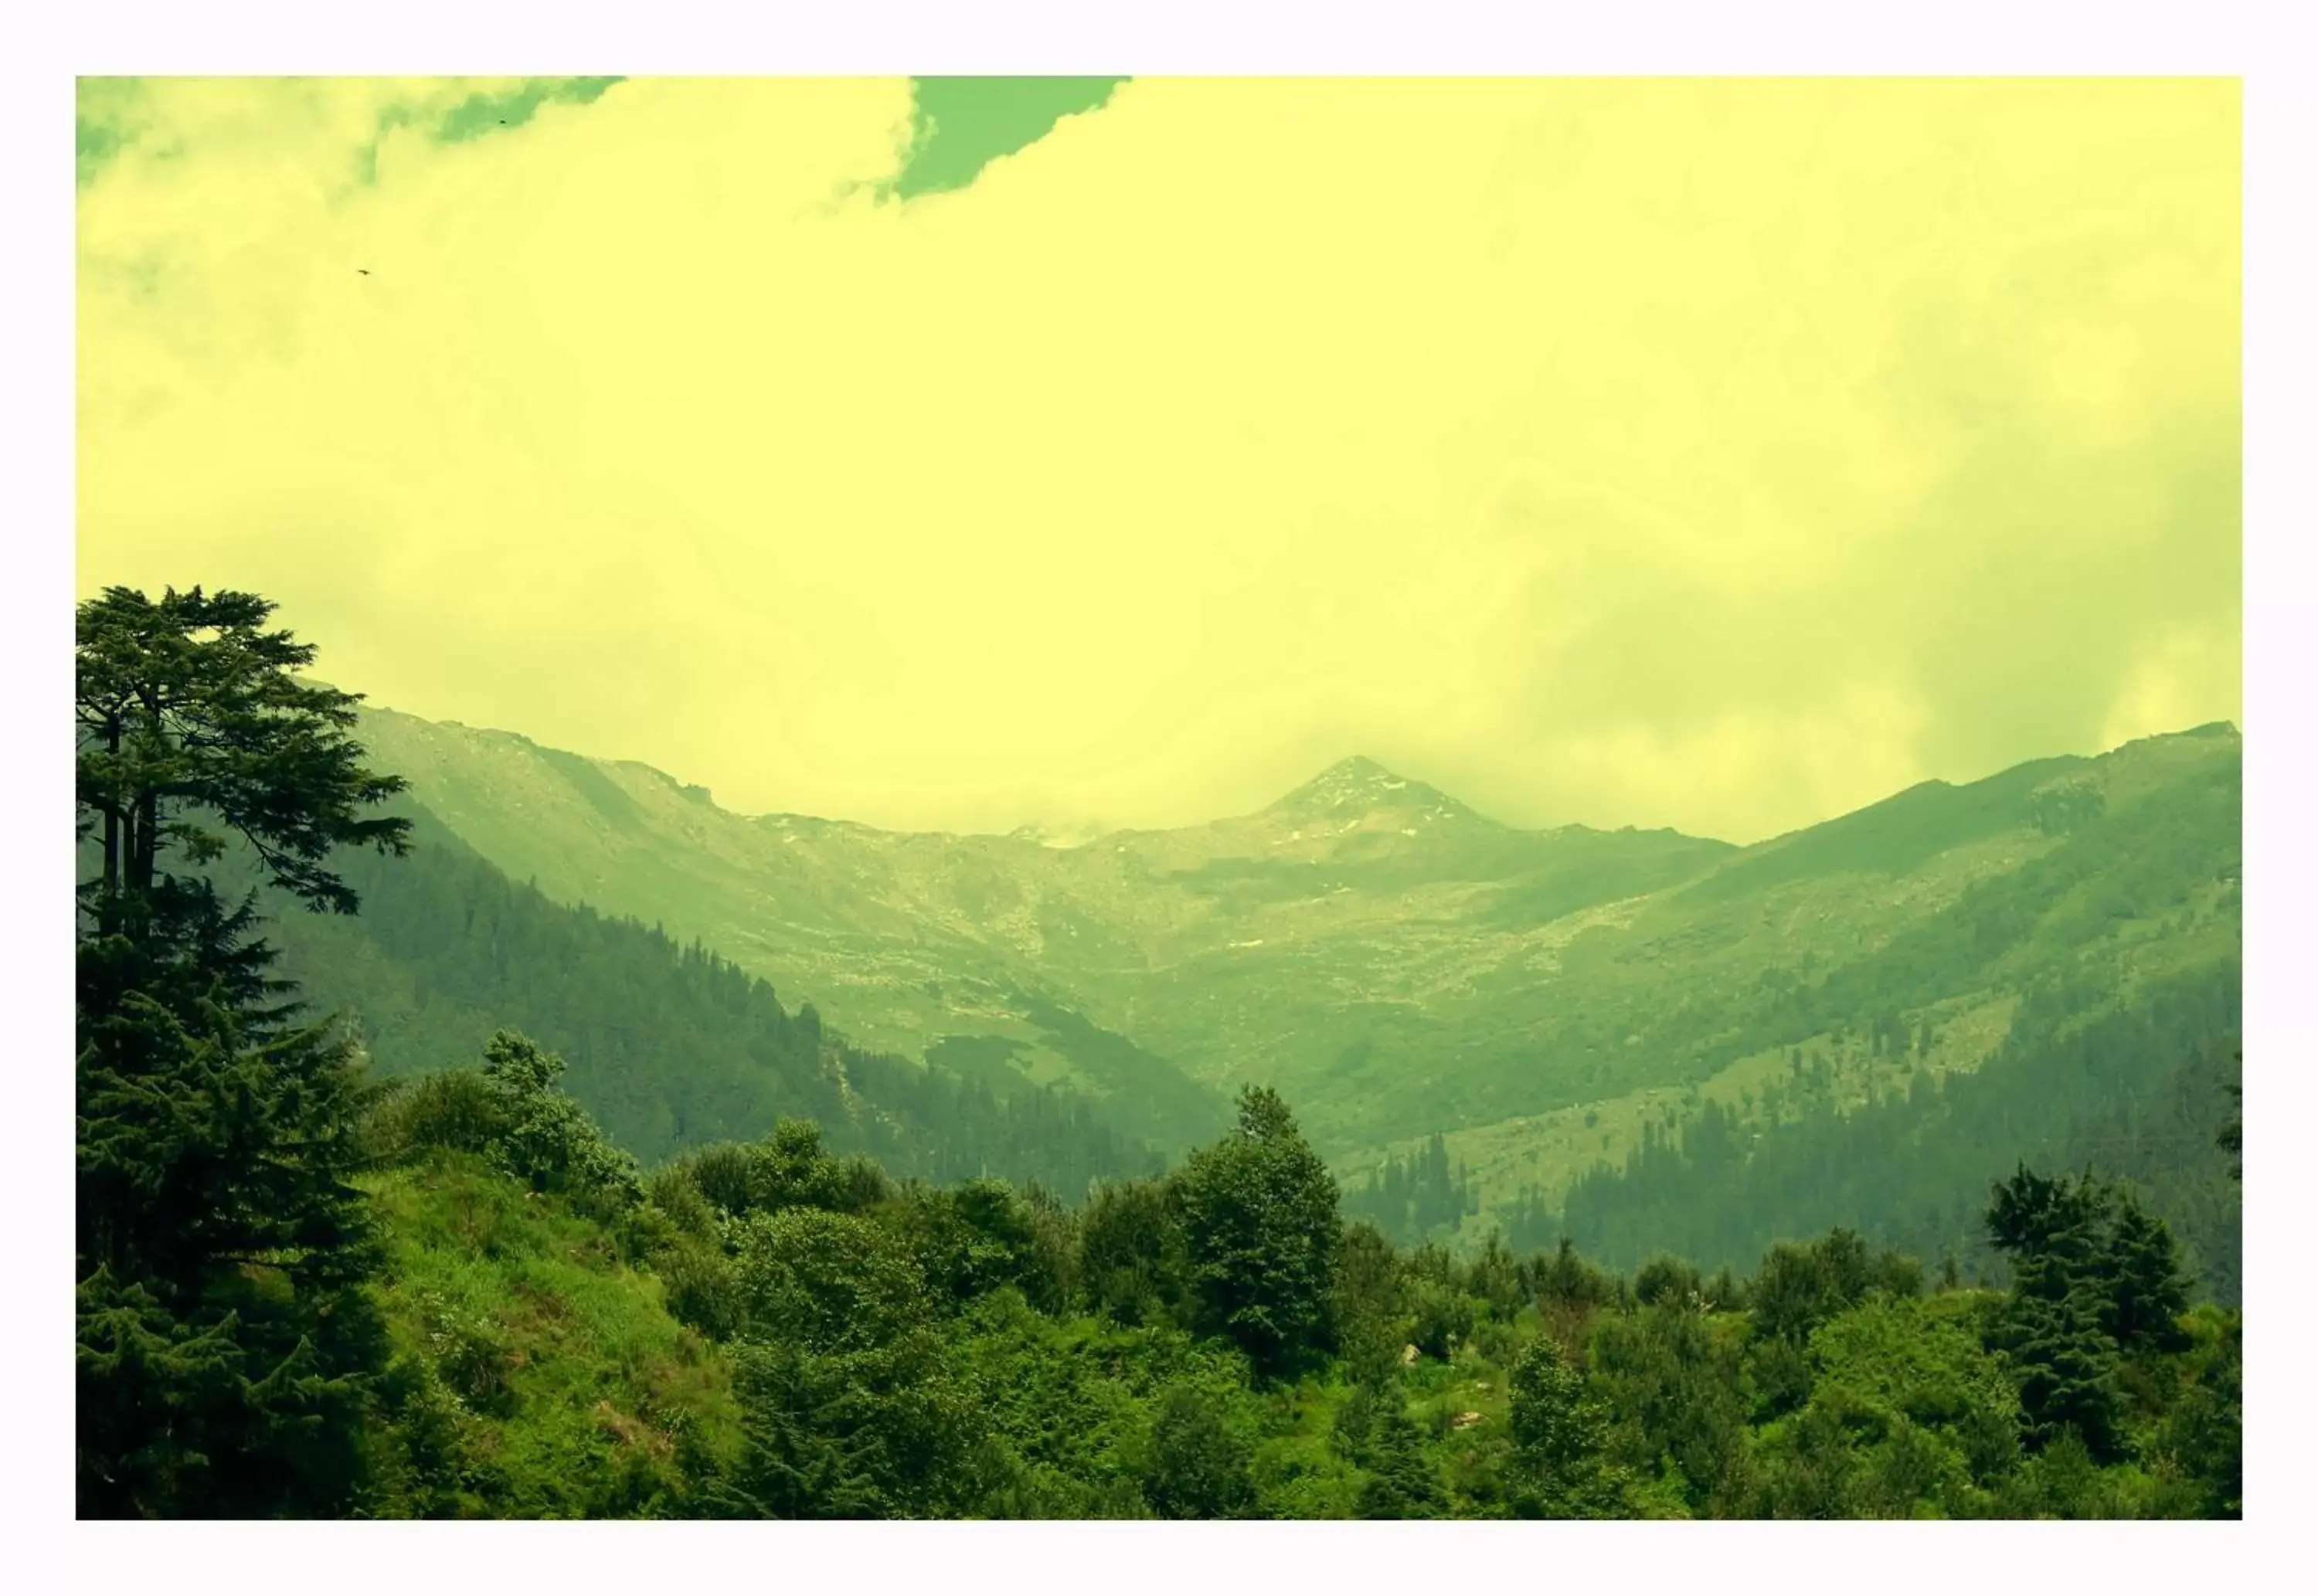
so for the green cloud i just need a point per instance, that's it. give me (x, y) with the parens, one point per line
(104, 122)
(479, 114)
(960, 125)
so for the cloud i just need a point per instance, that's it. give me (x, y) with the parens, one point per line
(1710, 454)
(2181, 672)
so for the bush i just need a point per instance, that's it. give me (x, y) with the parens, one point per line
(457, 1110)
(1441, 1317)
(1131, 1262)
(1666, 1279)
(548, 1141)
(1196, 1465)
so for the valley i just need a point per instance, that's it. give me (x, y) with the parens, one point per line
(1393, 962)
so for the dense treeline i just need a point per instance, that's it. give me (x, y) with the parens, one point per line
(1218, 1342)
(670, 1046)
(2135, 1092)
(304, 1292)
(1408, 1198)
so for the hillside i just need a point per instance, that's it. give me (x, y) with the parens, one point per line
(535, 1373)
(1169, 963)
(1397, 963)
(670, 1047)
(763, 1332)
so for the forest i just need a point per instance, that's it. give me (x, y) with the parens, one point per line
(308, 1288)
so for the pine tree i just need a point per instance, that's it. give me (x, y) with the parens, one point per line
(2146, 1291)
(1402, 1481)
(224, 1339)
(2053, 1324)
(2067, 1368)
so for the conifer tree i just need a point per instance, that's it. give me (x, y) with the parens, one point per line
(1402, 1481)
(1559, 1434)
(2053, 1328)
(2146, 1291)
(223, 1337)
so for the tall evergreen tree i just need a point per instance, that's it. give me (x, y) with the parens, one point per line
(2054, 1324)
(223, 1339)
(2145, 1289)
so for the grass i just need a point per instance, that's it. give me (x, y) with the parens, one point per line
(560, 1385)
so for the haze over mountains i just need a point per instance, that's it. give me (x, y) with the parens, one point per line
(1394, 963)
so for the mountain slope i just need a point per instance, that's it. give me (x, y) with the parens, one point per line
(903, 939)
(669, 1046)
(2130, 1087)
(1394, 961)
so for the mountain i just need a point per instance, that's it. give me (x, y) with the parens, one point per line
(1400, 965)
(669, 1046)
(1073, 960)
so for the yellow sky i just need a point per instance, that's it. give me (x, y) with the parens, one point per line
(1716, 455)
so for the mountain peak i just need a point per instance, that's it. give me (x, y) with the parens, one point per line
(1360, 768)
(1357, 785)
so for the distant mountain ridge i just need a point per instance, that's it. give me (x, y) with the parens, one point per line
(1394, 961)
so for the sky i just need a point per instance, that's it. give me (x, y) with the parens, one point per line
(1716, 455)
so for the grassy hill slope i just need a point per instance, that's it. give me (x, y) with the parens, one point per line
(669, 1046)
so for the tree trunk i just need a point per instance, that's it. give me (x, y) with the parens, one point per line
(108, 911)
(144, 854)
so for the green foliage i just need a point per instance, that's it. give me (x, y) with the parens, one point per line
(1372, 1321)
(977, 1237)
(536, 1374)
(547, 1140)
(193, 725)
(2197, 1436)
(1670, 1378)
(1441, 1316)
(827, 1282)
(2124, 1080)
(1410, 1198)
(1800, 1288)
(1132, 1261)
(866, 1350)
(1262, 1229)
(874, 1430)
(1906, 1415)
(224, 1338)
(1567, 1281)
(1196, 1466)
(1559, 1435)
(1402, 1481)
(2146, 1289)
(2068, 1370)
